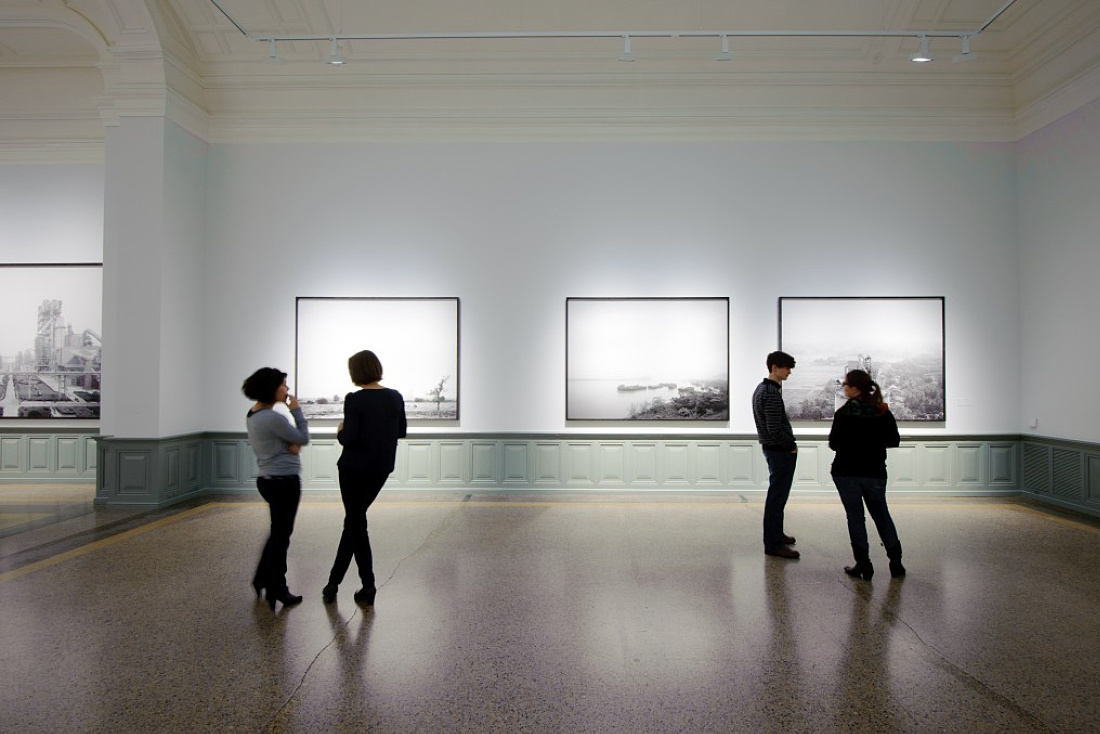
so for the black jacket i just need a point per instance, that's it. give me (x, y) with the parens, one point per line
(373, 421)
(860, 435)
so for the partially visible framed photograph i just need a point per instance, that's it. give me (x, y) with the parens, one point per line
(416, 339)
(647, 359)
(898, 341)
(50, 344)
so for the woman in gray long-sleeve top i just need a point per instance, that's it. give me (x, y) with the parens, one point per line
(276, 443)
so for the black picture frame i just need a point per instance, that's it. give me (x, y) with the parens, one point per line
(647, 359)
(51, 343)
(417, 339)
(899, 340)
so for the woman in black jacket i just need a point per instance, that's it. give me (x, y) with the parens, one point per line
(374, 418)
(862, 430)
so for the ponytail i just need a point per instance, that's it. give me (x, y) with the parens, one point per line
(869, 391)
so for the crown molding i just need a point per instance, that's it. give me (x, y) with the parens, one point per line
(551, 125)
(55, 152)
(1071, 96)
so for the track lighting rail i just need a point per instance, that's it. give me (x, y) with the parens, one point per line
(921, 35)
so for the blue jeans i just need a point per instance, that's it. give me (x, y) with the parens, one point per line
(854, 493)
(780, 478)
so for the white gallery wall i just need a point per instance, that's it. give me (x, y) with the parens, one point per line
(515, 229)
(1059, 214)
(51, 214)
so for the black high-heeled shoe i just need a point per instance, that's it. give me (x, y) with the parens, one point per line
(365, 596)
(862, 570)
(259, 589)
(328, 594)
(284, 597)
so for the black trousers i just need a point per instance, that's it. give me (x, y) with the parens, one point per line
(282, 495)
(358, 490)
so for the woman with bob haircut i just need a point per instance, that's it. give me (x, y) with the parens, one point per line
(374, 418)
(276, 444)
(863, 428)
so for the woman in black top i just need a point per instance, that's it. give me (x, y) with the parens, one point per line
(862, 430)
(374, 418)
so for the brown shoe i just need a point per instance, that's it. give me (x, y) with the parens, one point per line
(788, 540)
(781, 552)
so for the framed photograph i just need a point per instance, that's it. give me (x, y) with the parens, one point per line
(898, 341)
(416, 339)
(50, 343)
(647, 359)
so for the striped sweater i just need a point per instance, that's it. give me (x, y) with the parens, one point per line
(772, 425)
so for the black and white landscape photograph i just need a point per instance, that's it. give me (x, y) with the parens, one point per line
(416, 339)
(898, 341)
(647, 359)
(50, 345)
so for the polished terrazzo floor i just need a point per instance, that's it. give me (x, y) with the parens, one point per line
(547, 613)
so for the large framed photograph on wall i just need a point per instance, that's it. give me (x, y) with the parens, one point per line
(898, 341)
(50, 343)
(647, 359)
(416, 339)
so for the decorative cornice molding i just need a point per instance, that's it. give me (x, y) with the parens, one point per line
(1073, 95)
(536, 125)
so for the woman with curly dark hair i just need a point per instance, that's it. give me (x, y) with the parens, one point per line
(863, 428)
(276, 443)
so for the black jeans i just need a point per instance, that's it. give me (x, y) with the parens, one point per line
(282, 495)
(358, 490)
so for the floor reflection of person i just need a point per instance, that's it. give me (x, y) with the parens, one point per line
(277, 444)
(863, 428)
(374, 418)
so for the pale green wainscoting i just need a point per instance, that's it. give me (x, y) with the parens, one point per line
(48, 454)
(161, 471)
(1064, 473)
(135, 472)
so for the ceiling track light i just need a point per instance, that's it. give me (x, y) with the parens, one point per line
(923, 56)
(273, 53)
(965, 54)
(724, 54)
(627, 54)
(334, 57)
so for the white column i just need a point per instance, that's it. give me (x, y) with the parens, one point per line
(154, 213)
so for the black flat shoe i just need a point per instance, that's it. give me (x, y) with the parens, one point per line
(365, 596)
(328, 594)
(782, 551)
(896, 569)
(284, 597)
(788, 540)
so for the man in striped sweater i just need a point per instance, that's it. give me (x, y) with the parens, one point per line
(780, 450)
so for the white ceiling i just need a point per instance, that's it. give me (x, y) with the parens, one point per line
(98, 59)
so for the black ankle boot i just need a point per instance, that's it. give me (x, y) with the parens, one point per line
(284, 597)
(863, 568)
(896, 569)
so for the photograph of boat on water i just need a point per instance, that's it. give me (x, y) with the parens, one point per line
(415, 339)
(647, 359)
(50, 340)
(898, 341)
